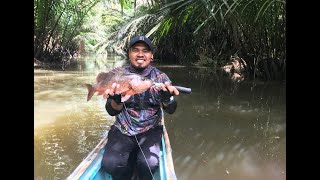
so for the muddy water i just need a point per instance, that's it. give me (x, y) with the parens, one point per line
(220, 131)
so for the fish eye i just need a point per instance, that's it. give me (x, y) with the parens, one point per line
(143, 78)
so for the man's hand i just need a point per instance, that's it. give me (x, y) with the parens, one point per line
(166, 91)
(110, 93)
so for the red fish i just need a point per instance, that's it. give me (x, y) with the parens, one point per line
(130, 83)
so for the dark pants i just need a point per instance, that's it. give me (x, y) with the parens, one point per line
(123, 154)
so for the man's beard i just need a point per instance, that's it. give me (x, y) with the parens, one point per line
(139, 68)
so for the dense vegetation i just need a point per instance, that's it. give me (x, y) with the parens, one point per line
(249, 35)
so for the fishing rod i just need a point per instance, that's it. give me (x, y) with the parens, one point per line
(181, 89)
(184, 90)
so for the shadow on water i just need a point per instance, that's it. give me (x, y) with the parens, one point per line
(223, 130)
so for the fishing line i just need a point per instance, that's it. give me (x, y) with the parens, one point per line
(128, 117)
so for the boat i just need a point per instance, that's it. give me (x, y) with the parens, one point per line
(91, 167)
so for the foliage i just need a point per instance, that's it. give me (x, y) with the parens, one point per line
(56, 24)
(209, 32)
(219, 29)
(115, 23)
(202, 32)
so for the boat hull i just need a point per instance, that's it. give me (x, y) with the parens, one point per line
(91, 167)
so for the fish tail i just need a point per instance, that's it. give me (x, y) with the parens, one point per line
(90, 91)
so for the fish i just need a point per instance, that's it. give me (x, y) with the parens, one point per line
(130, 83)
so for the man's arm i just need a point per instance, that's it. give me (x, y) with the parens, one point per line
(113, 104)
(170, 106)
(112, 107)
(167, 93)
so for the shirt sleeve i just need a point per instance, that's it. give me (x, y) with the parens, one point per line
(162, 78)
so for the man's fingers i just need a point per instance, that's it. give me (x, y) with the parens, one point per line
(106, 94)
(169, 87)
(163, 87)
(113, 85)
(158, 87)
(175, 90)
(111, 93)
(112, 90)
(107, 91)
(172, 89)
(116, 91)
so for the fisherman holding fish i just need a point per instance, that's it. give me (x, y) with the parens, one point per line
(135, 136)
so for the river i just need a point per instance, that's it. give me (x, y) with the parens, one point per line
(223, 130)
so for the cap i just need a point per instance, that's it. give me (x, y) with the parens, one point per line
(141, 39)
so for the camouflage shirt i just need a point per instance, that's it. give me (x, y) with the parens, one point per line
(142, 112)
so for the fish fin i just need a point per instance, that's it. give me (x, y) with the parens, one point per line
(101, 76)
(125, 98)
(122, 91)
(90, 91)
(117, 70)
(131, 92)
(121, 71)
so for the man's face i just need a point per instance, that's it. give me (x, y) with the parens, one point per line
(140, 55)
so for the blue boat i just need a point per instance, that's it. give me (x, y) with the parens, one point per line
(91, 167)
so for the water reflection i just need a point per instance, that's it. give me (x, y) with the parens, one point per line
(66, 127)
(221, 131)
(229, 131)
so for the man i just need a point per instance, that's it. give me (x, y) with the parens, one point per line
(134, 139)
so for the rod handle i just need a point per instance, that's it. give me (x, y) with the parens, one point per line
(184, 90)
